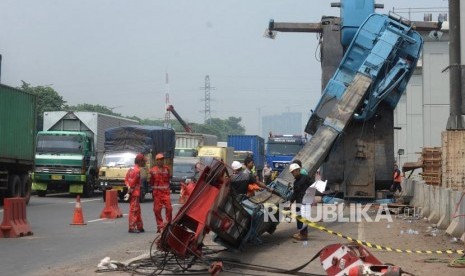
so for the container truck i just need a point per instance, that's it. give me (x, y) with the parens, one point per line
(17, 142)
(245, 144)
(187, 144)
(68, 150)
(122, 144)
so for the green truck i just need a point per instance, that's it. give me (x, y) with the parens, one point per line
(17, 142)
(68, 151)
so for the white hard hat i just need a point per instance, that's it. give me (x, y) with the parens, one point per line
(236, 165)
(293, 167)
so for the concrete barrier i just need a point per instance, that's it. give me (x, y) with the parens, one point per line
(457, 225)
(417, 194)
(435, 210)
(445, 197)
(426, 204)
(441, 206)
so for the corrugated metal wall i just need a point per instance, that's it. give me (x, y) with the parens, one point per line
(17, 124)
(423, 110)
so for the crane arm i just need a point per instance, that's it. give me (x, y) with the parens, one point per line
(187, 128)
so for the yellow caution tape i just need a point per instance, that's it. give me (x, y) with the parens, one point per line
(368, 244)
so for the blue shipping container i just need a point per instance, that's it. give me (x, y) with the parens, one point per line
(253, 143)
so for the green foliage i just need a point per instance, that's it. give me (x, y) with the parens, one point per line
(47, 100)
(219, 127)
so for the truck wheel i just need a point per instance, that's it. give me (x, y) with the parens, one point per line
(41, 193)
(88, 189)
(26, 183)
(14, 186)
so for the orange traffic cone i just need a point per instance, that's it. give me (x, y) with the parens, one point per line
(78, 218)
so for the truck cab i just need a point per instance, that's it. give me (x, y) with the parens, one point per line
(281, 149)
(185, 152)
(65, 161)
(113, 170)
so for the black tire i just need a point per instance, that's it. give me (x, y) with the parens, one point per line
(88, 189)
(41, 193)
(14, 186)
(104, 195)
(26, 184)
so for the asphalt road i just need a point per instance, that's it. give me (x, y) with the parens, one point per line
(55, 242)
(57, 248)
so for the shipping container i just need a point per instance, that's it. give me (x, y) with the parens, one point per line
(252, 143)
(17, 141)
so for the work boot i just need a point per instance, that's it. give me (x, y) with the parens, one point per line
(133, 231)
(142, 230)
(300, 237)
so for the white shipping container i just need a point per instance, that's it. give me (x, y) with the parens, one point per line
(194, 140)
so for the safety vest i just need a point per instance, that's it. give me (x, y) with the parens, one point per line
(132, 180)
(397, 176)
(160, 178)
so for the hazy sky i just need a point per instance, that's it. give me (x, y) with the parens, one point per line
(116, 53)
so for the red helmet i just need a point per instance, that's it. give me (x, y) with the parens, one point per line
(140, 157)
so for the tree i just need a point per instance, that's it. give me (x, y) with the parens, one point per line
(47, 100)
(221, 128)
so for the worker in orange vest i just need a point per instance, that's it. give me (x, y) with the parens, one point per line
(160, 181)
(397, 180)
(133, 179)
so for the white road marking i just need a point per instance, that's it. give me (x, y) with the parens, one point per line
(94, 220)
(86, 200)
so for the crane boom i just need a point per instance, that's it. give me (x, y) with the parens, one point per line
(187, 128)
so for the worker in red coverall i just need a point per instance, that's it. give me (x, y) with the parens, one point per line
(133, 179)
(160, 181)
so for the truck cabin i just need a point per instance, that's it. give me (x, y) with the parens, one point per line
(284, 145)
(63, 142)
(118, 159)
(281, 150)
(185, 152)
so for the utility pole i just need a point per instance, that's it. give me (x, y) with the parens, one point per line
(167, 102)
(456, 119)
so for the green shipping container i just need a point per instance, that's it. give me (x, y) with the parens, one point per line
(17, 126)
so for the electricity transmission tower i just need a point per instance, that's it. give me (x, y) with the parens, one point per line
(207, 110)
